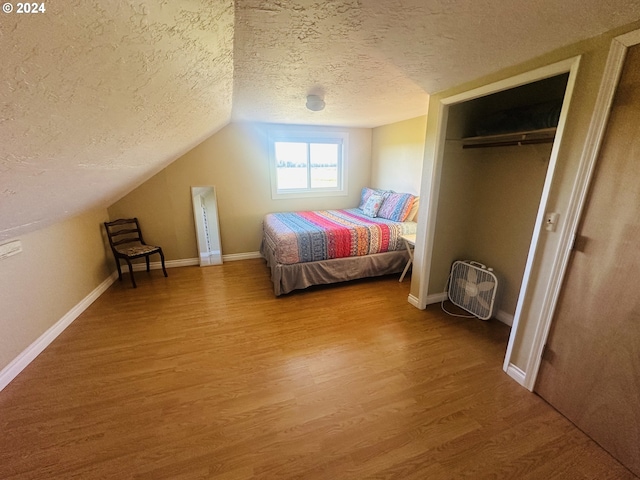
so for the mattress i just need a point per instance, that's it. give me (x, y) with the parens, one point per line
(298, 237)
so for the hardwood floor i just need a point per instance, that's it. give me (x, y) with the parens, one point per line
(206, 374)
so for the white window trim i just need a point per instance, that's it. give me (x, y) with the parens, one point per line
(308, 135)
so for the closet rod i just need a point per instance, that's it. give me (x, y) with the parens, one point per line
(510, 143)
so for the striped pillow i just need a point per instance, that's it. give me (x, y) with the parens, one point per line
(366, 193)
(396, 206)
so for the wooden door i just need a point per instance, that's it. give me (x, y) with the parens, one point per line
(590, 370)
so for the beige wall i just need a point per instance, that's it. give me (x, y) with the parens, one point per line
(397, 155)
(235, 161)
(57, 268)
(594, 54)
(507, 196)
(455, 210)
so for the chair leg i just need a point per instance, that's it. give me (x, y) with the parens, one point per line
(133, 280)
(162, 261)
(119, 269)
(147, 259)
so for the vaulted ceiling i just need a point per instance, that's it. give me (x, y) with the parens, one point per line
(97, 96)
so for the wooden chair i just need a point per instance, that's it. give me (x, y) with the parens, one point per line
(125, 238)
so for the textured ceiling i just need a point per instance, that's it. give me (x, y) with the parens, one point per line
(96, 96)
(375, 61)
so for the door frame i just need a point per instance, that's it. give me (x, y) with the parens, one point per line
(590, 153)
(431, 184)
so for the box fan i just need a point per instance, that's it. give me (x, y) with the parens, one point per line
(472, 287)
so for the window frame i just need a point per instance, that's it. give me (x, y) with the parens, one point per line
(308, 136)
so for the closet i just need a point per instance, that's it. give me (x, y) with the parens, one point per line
(495, 161)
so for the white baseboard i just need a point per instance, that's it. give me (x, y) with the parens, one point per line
(516, 373)
(188, 262)
(240, 256)
(18, 364)
(139, 267)
(436, 298)
(433, 298)
(504, 317)
(413, 300)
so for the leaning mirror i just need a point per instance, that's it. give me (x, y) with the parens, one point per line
(205, 212)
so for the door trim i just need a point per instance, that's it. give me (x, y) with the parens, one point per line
(593, 142)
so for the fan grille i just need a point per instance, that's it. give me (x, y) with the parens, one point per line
(473, 289)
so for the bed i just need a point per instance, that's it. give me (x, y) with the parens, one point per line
(329, 246)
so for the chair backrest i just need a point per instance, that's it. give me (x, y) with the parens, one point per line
(124, 230)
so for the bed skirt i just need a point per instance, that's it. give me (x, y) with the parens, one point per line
(287, 278)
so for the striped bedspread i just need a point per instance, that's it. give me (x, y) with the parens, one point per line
(297, 237)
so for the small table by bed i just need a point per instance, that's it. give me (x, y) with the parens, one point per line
(410, 243)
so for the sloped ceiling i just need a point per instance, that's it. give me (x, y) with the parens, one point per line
(96, 96)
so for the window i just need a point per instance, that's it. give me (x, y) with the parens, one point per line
(307, 163)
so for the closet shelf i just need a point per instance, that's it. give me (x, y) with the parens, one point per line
(529, 137)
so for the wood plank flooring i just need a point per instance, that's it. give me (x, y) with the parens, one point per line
(206, 374)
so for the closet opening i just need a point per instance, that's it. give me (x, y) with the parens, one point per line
(488, 187)
(495, 162)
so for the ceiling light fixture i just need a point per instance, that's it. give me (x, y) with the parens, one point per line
(315, 103)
